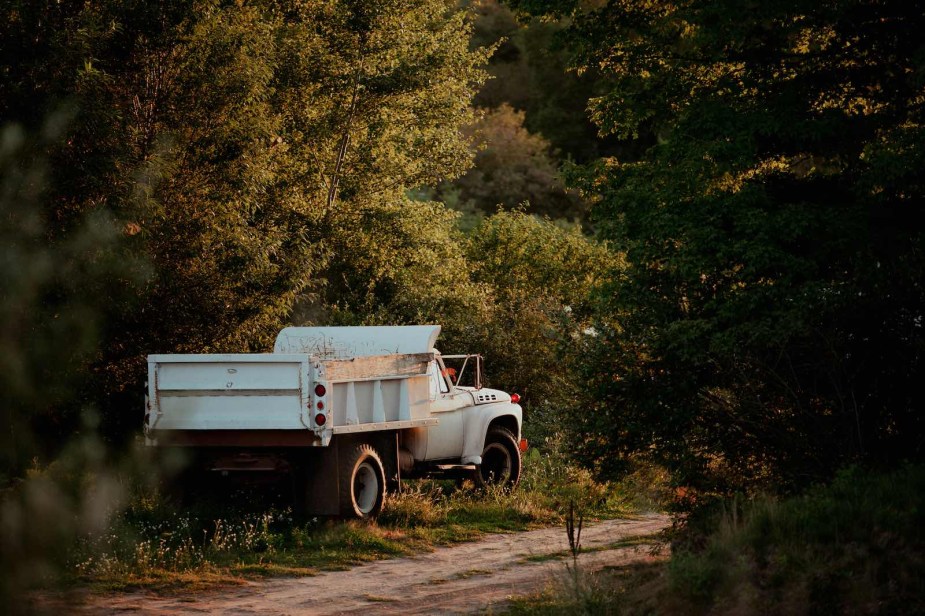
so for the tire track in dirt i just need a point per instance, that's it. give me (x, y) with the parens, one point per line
(461, 579)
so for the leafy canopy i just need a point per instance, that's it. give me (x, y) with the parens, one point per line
(769, 326)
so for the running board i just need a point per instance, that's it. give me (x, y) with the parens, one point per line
(456, 467)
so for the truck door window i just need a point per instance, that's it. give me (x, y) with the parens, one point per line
(437, 382)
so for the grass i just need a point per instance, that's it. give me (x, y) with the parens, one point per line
(854, 546)
(626, 542)
(154, 546)
(631, 589)
(205, 550)
(469, 573)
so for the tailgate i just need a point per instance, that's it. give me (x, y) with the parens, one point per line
(228, 392)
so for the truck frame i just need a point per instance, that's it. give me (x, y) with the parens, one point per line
(346, 412)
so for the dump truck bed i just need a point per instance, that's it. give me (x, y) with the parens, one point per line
(229, 392)
(278, 392)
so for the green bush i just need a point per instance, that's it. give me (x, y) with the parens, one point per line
(853, 546)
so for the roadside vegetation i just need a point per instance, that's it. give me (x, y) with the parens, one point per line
(853, 546)
(230, 535)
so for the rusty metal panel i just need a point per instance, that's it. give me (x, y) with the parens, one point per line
(377, 367)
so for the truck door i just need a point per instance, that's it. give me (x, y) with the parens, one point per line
(447, 403)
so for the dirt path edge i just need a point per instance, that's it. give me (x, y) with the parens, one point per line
(461, 579)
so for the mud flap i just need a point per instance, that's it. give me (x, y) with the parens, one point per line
(316, 484)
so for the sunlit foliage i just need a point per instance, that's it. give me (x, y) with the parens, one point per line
(237, 147)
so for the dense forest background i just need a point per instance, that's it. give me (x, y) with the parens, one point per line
(686, 232)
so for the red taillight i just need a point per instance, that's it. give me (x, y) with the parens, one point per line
(320, 405)
(320, 418)
(320, 390)
(515, 398)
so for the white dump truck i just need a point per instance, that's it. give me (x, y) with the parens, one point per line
(344, 411)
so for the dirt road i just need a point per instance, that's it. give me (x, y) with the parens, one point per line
(455, 580)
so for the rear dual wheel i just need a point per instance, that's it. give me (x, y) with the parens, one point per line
(362, 483)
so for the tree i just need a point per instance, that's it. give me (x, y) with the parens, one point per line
(531, 73)
(539, 320)
(390, 101)
(236, 146)
(515, 290)
(54, 296)
(769, 325)
(513, 167)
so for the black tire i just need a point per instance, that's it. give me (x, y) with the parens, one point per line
(501, 460)
(362, 483)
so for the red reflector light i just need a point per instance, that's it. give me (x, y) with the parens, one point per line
(320, 390)
(320, 405)
(515, 398)
(524, 444)
(320, 418)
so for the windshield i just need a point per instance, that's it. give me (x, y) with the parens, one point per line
(464, 370)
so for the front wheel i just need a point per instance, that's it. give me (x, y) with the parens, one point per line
(362, 483)
(501, 461)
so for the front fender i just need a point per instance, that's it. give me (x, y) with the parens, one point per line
(478, 418)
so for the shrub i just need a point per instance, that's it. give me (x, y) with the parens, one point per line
(853, 546)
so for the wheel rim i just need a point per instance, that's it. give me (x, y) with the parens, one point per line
(365, 488)
(496, 463)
